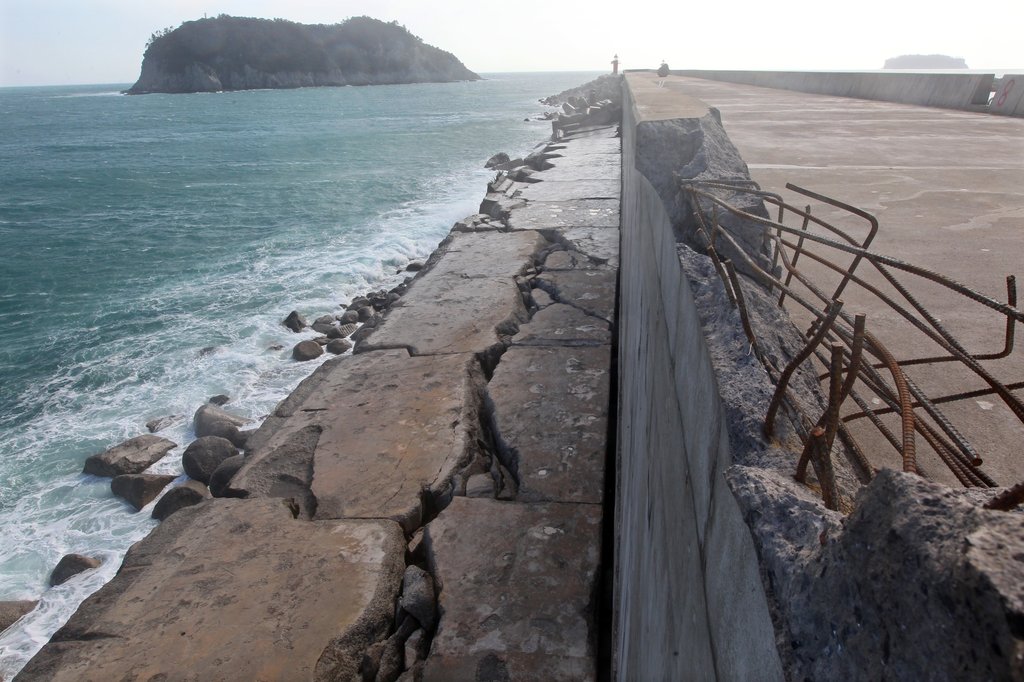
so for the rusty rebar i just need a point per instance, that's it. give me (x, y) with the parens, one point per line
(805, 352)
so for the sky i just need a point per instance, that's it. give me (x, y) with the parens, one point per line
(56, 42)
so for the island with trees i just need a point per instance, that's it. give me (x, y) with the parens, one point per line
(241, 53)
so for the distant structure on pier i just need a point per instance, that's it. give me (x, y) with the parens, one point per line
(615, 65)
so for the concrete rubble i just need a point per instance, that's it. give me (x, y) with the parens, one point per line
(470, 426)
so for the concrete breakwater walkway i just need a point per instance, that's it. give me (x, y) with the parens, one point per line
(430, 507)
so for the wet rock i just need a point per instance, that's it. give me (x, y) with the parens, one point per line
(276, 346)
(161, 423)
(219, 399)
(365, 313)
(497, 160)
(208, 418)
(418, 598)
(179, 497)
(323, 327)
(221, 476)
(140, 489)
(322, 340)
(358, 302)
(11, 611)
(307, 350)
(204, 455)
(133, 456)
(349, 317)
(71, 565)
(414, 266)
(324, 319)
(295, 321)
(338, 346)
(335, 333)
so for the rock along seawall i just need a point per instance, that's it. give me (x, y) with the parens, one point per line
(430, 507)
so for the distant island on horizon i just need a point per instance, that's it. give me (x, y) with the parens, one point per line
(242, 53)
(925, 61)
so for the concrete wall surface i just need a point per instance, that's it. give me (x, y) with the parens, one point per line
(945, 90)
(689, 600)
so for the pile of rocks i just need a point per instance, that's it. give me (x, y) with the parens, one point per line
(338, 332)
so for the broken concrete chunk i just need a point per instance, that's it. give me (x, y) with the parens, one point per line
(548, 215)
(239, 590)
(418, 596)
(592, 291)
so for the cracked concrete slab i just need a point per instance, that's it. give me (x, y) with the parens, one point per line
(571, 172)
(599, 243)
(574, 190)
(592, 291)
(569, 259)
(550, 408)
(239, 590)
(563, 325)
(466, 302)
(380, 430)
(559, 215)
(520, 609)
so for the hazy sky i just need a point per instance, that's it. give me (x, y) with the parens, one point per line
(101, 41)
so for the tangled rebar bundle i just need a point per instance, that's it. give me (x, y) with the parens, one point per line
(853, 362)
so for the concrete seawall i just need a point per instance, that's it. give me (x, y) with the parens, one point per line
(726, 567)
(946, 90)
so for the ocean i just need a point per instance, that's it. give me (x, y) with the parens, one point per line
(150, 247)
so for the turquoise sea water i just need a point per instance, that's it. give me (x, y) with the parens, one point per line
(150, 246)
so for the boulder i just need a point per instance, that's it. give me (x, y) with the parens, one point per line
(323, 327)
(334, 332)
(497, 160)
(221, 476)
(161, 423)
(358, 302)
(324, 319)
(204, 455)
(209, 420)
(219, 399)
(139, 489)
(307, 350)
(349, 317)
(418, 599)
(295, 322)
(365, 313)
(71, 565)
(179, 497)
(414, 266)
(11, 611)
(338, 346)
(133, 456)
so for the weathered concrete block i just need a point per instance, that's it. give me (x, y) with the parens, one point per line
(378, 431)
(592, 291)
(466, 301)
(549, 215)
(235, 589)
(562, 325)
(553, 189)
(522, 609)
(550, 410)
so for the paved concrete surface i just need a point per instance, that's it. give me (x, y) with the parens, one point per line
(235, 590)
(948, 189)
(522, 609)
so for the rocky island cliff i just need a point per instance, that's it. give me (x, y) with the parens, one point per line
(239, 53)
